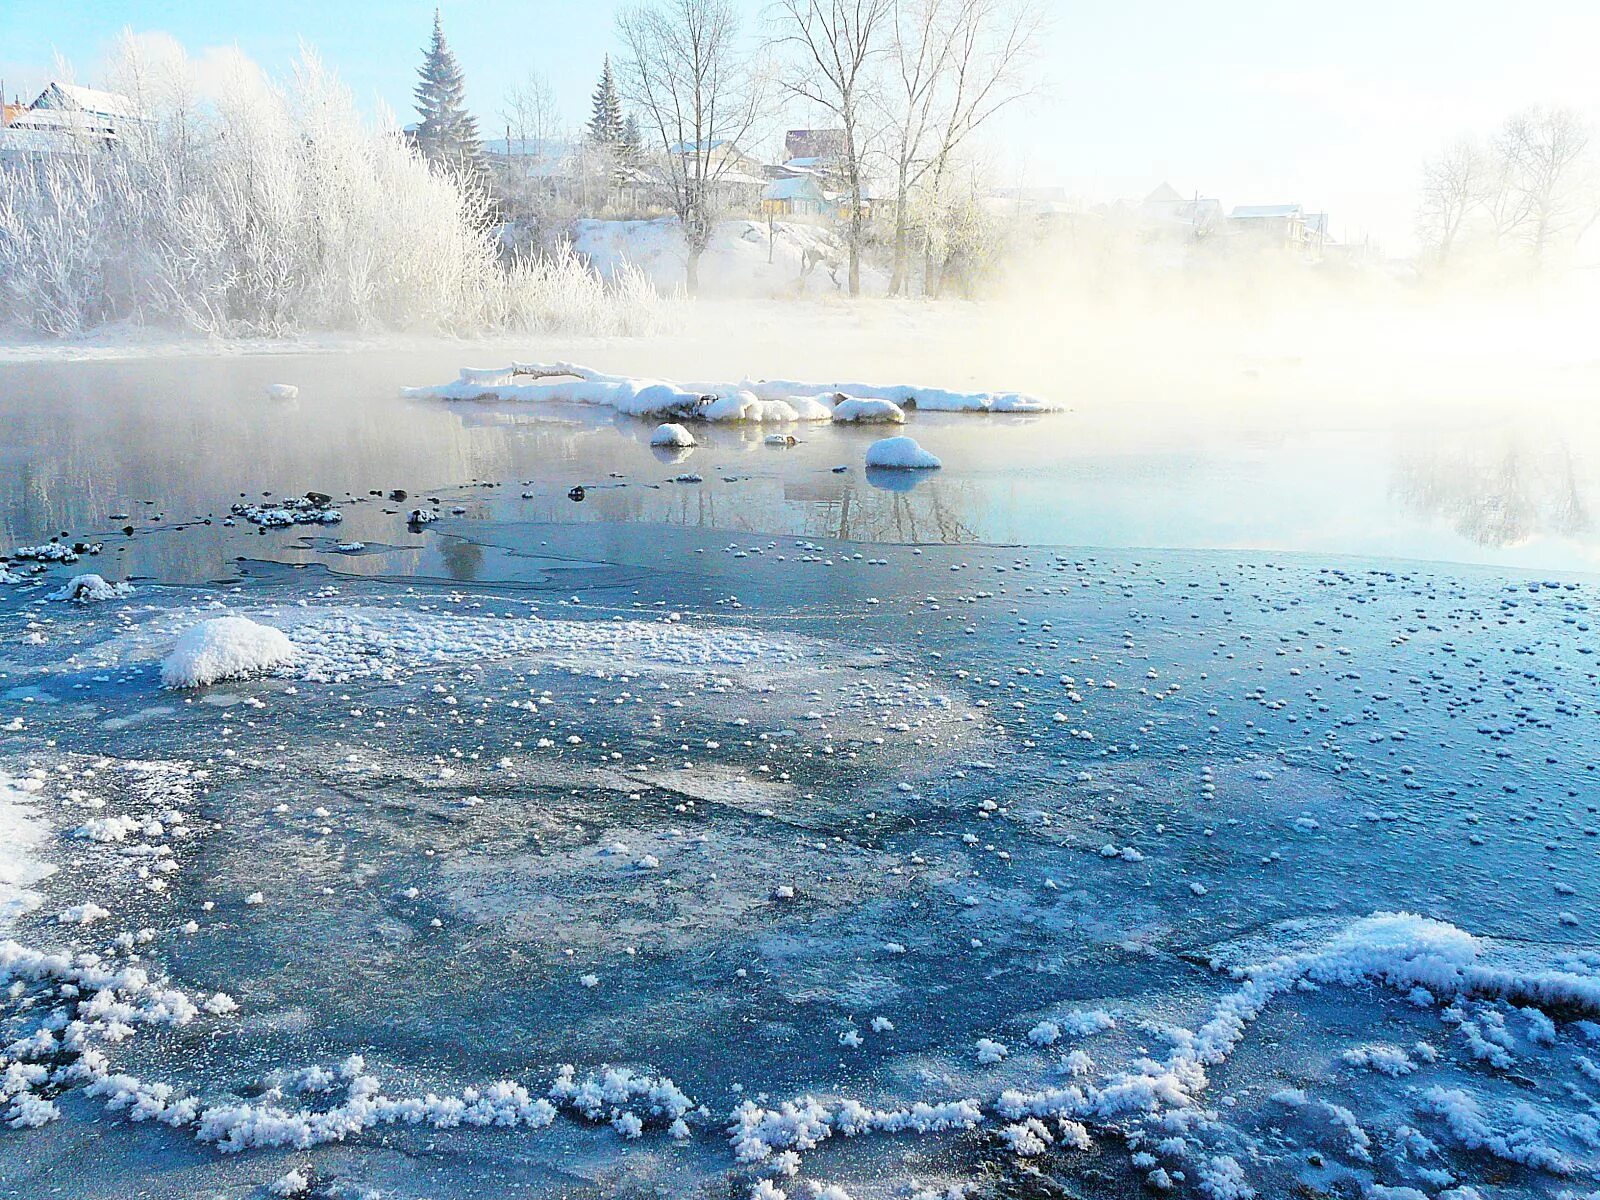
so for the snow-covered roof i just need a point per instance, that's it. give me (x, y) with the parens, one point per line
(71, 97)
(800, 187)
(1165, 194)
(814, 163)
(1249, 211)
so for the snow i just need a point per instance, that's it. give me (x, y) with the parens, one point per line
(735, 263)
(868, 410)
(91, 589)
(22, 837)
(902, 454)
(282, 391)
(672, 435)
(225, 648)
(757, 401)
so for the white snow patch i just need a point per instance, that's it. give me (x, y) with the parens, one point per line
(22, 836)
(672, 435)
(90, 589)
(901, 453)
(225, 648)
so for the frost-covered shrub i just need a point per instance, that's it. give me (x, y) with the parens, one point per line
(266, 210)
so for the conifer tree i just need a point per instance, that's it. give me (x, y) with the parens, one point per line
(447, 134)
(606, 126)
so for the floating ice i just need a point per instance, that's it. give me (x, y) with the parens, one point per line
(282, 391)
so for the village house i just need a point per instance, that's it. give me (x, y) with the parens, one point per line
(66, 119)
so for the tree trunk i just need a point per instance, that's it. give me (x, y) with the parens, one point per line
(898, 282)
(693, 270)
(855, 251)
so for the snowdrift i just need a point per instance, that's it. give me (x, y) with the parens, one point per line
(901, 454)
(225, 648)
(744, 258)
(772, 400)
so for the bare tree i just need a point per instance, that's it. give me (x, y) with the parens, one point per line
(956, 63)
(1454, 185)
(699, 94)
(836, 44)
(1549, 193)
(529, 111)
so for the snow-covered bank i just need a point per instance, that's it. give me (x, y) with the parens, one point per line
(744, 258)
(22, 835)
(777, 401)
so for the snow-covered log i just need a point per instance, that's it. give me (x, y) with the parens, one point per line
(771, 401)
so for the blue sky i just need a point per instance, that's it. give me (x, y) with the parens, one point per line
(1332, 105)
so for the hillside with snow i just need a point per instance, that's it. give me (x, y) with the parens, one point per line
(746, 258)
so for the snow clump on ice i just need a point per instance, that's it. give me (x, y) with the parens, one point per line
(672, 435)
(901, 453)
(90, 589)
(225, 648)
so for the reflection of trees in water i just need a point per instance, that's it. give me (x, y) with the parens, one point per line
(831, 507)
(1501, 490)
(925, 513)
(461, 558)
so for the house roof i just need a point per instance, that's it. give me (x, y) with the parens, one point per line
(71, 97)
(1165, 194)
(800, 187)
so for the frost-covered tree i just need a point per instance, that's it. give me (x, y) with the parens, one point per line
(1523, 199)
(632, 139)
(270, 209)
(835, 47)
(447, 134)
(606, 124)
(693, 80)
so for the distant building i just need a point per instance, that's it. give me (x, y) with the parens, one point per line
(795, 196)
(1283, 226)
(89, 112)
(66, 119)
(1196, 216)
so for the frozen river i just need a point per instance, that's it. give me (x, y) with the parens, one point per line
(1017, 830)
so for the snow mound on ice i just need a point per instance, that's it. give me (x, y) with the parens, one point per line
(89, 589)
(902, 454)
(672, 435)
(868, 411)
(282, 391)
(225, 648)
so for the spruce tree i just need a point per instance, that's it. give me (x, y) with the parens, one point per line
(448, 133)
(605, 121)
(632, 139)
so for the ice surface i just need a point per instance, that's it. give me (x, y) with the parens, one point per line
(783, 860)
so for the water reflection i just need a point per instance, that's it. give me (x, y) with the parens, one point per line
(1505, 489)
(173, 443)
